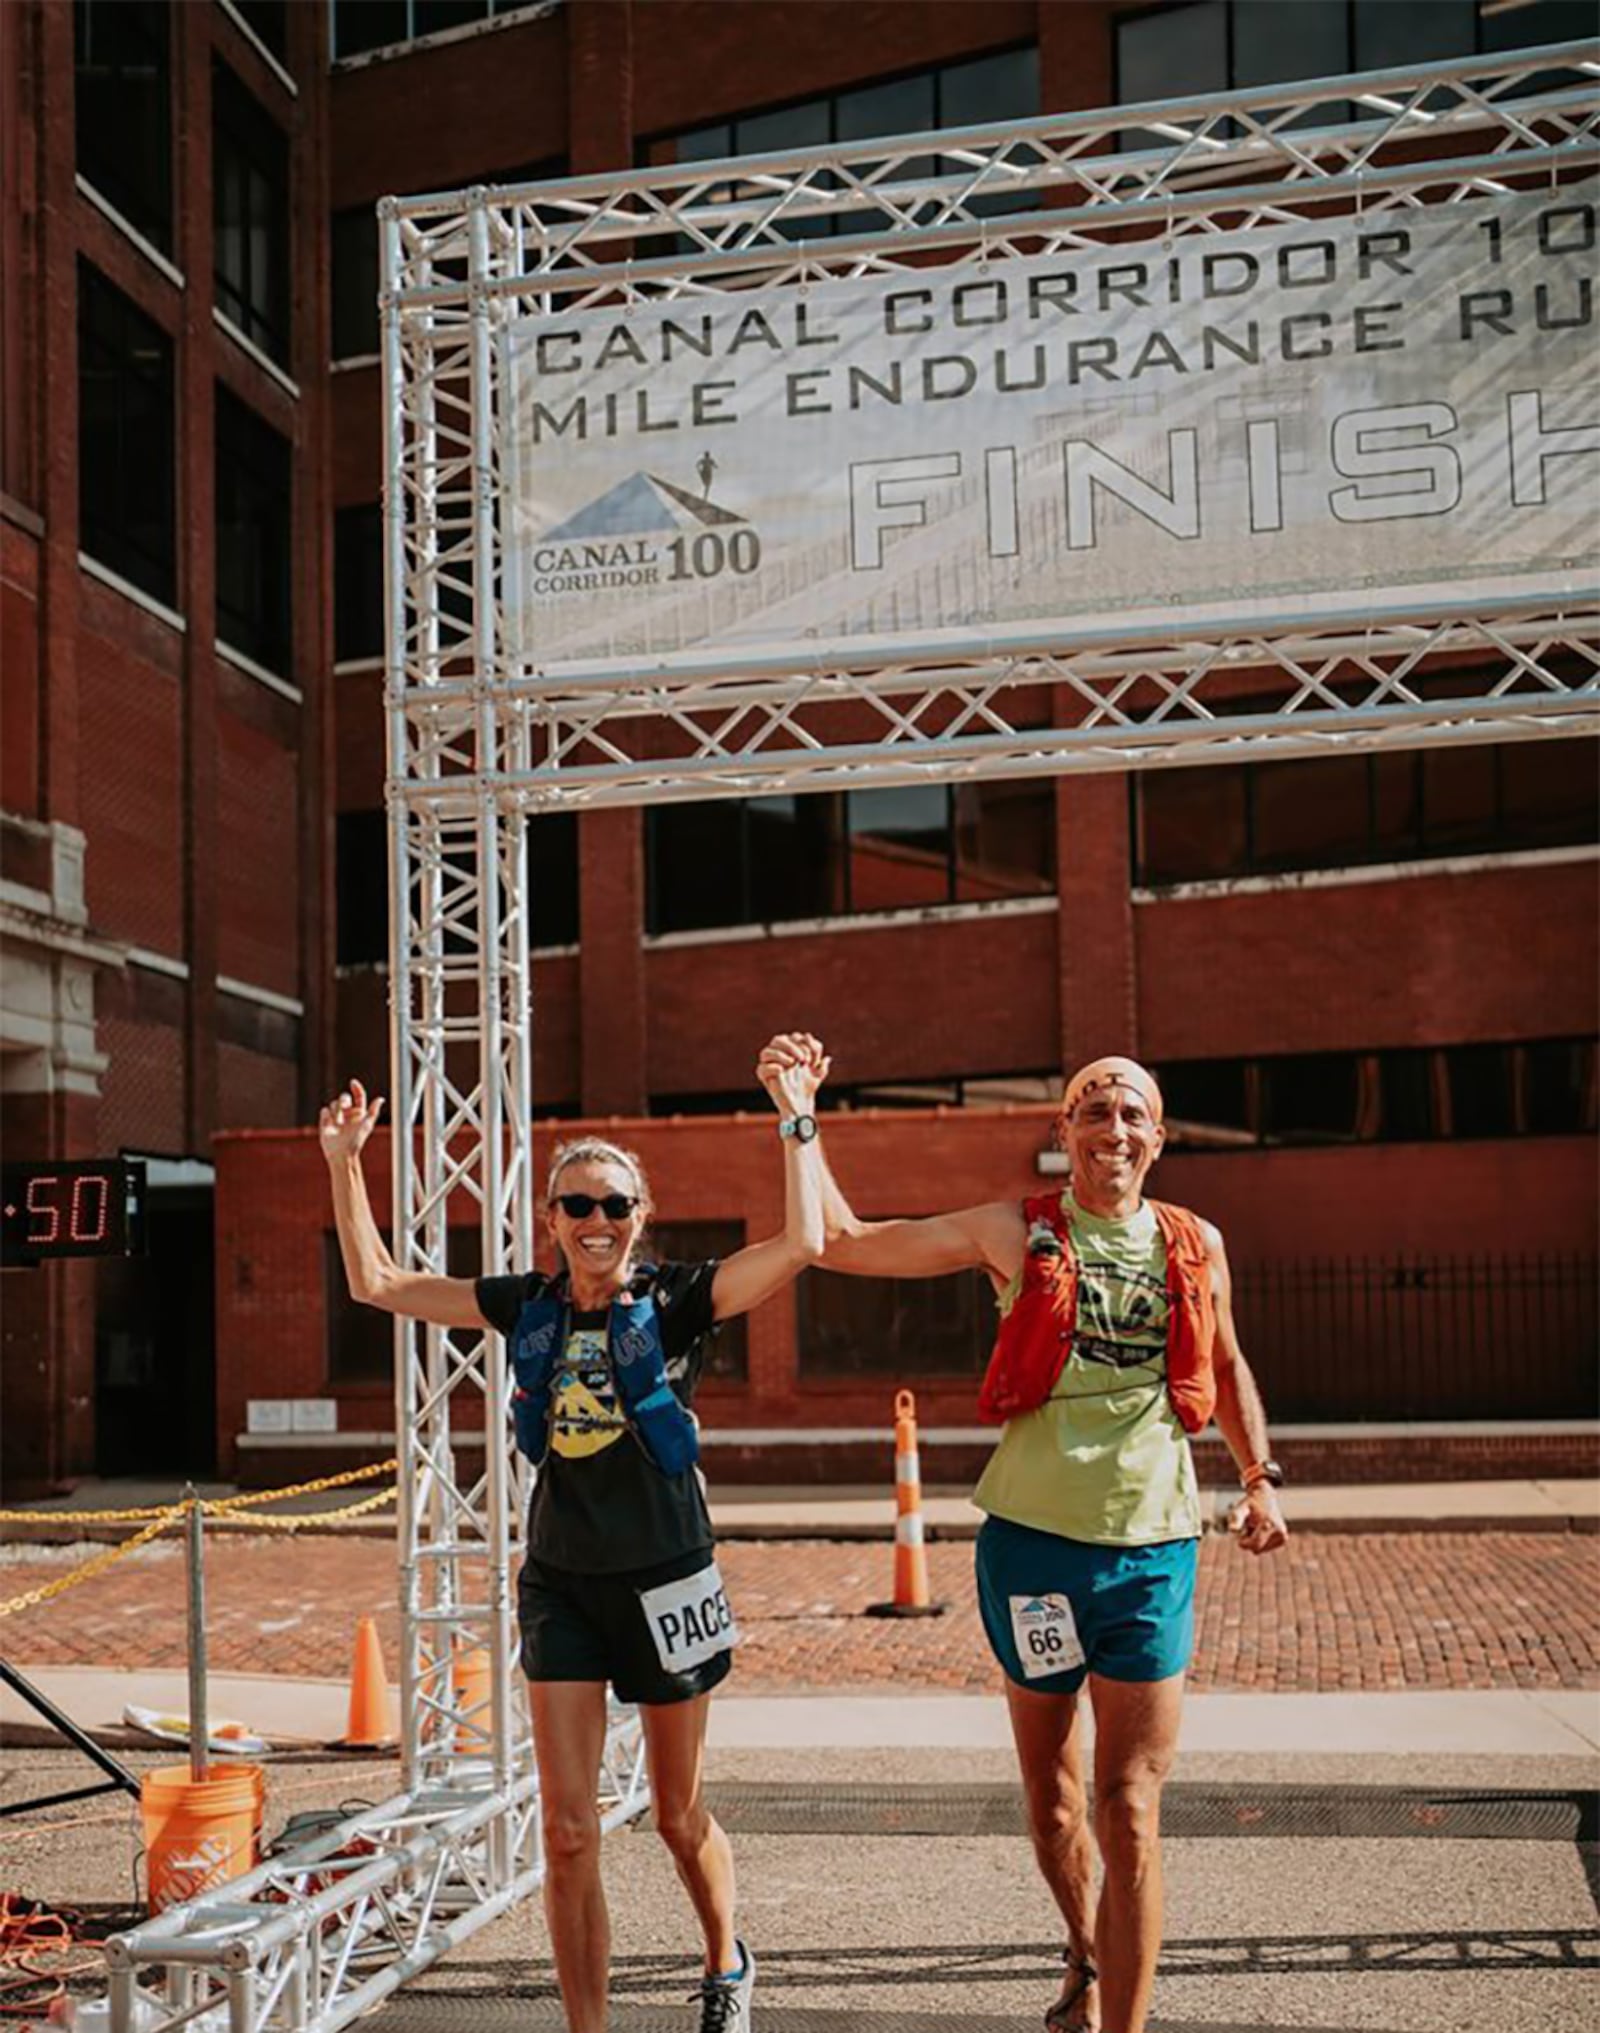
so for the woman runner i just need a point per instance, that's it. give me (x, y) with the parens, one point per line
(620, 1583)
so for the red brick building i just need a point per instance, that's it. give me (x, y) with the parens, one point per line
(1370, 983)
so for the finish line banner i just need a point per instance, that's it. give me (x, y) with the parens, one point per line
(1254, 424)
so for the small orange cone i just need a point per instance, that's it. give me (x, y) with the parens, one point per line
(911, 1595)
(371, 1719)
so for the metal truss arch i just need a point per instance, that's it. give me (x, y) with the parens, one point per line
(480, 735)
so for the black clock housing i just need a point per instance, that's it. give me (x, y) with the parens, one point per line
(90, 1207)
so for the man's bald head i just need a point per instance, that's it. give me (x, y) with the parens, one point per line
(1102, 1075)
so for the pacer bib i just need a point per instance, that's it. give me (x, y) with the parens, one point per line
(690, 1620)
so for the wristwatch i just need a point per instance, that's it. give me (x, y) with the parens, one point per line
(1262, 1471)
(803, 1128)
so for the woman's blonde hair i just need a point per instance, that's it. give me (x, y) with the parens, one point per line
(596, 1151)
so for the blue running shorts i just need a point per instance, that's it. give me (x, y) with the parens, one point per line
(1058, 1609)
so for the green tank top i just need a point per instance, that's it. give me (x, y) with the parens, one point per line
(1106, 1458)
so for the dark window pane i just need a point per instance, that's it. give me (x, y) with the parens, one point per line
(122, 94)
(361, 888)
(552, 846)
(1406, 1086)
(1207, 1101)
(1528, 27)
(1479, 1079)
(695, 1242)
(1388, 36)
(694, 862)
(367, 24)
(1458, 799)
(1173, 53)
(1549, 792)
(903, 107)
(1309, 814)
(250, 168)
(899, 847)
(989, 88)
(894, 1328)
(1558, 1086)
(1273, 43)
(358, 582)
(355, 283)
(787, 127)
(270, 20)
(1310, 1097)
(125, 438)
(706, 144)
(1191, 824)
(431, 16)
(253, 524)
(794, 862)
(1005, 838)
(1396, 806)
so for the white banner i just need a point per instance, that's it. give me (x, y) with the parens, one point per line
(1257, 423)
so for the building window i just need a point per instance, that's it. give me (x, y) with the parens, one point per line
(893, 1327)
(355, 283)
(122, 96)
(1184, 51)
(362, 25)
(1241, 819)
(250, 170)
(358, 583)
(361, 884)
(694, 1242)
(972, 93)
(1406, 1095)
(269, 21)
(253, 535)
(125, 439)
(772, 860)
(360, 1344)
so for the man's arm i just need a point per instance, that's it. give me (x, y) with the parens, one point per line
(374, 1277)
(1241, 1417)
(987, 1238)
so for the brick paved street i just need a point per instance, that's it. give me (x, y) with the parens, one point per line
(1434, 1610)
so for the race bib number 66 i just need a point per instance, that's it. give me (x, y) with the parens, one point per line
(1046, 1634)
(690, 1620)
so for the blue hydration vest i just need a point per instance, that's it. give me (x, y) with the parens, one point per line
(650, 1405)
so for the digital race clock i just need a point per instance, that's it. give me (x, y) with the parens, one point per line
(91, 1207)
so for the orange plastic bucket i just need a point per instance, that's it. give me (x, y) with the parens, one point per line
(199, 1832)
(470, 1681)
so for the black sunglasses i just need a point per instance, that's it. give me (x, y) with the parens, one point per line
(614, 1206)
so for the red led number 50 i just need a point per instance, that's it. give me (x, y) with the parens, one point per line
(86, 1211)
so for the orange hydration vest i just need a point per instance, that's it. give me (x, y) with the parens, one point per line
(1031, 1348)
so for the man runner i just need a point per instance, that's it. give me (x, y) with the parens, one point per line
(1116, 1342)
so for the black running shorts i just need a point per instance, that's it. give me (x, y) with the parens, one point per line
(598, 1627)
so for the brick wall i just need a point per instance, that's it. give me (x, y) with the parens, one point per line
(272, 1213)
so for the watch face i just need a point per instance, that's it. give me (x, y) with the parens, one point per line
(805, 1128)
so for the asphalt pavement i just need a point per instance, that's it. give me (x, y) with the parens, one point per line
(1412, 1853)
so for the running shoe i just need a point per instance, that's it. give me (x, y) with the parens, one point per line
(725, 2001)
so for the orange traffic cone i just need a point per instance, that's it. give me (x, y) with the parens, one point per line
(371, 1719)
(911, 1595)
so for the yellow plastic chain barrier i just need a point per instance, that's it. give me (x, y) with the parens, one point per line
(264, 1496)
(221, 1511)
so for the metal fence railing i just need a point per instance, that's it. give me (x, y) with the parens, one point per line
(1423, 1337)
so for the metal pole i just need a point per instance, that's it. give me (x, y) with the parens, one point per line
(199, 1731)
